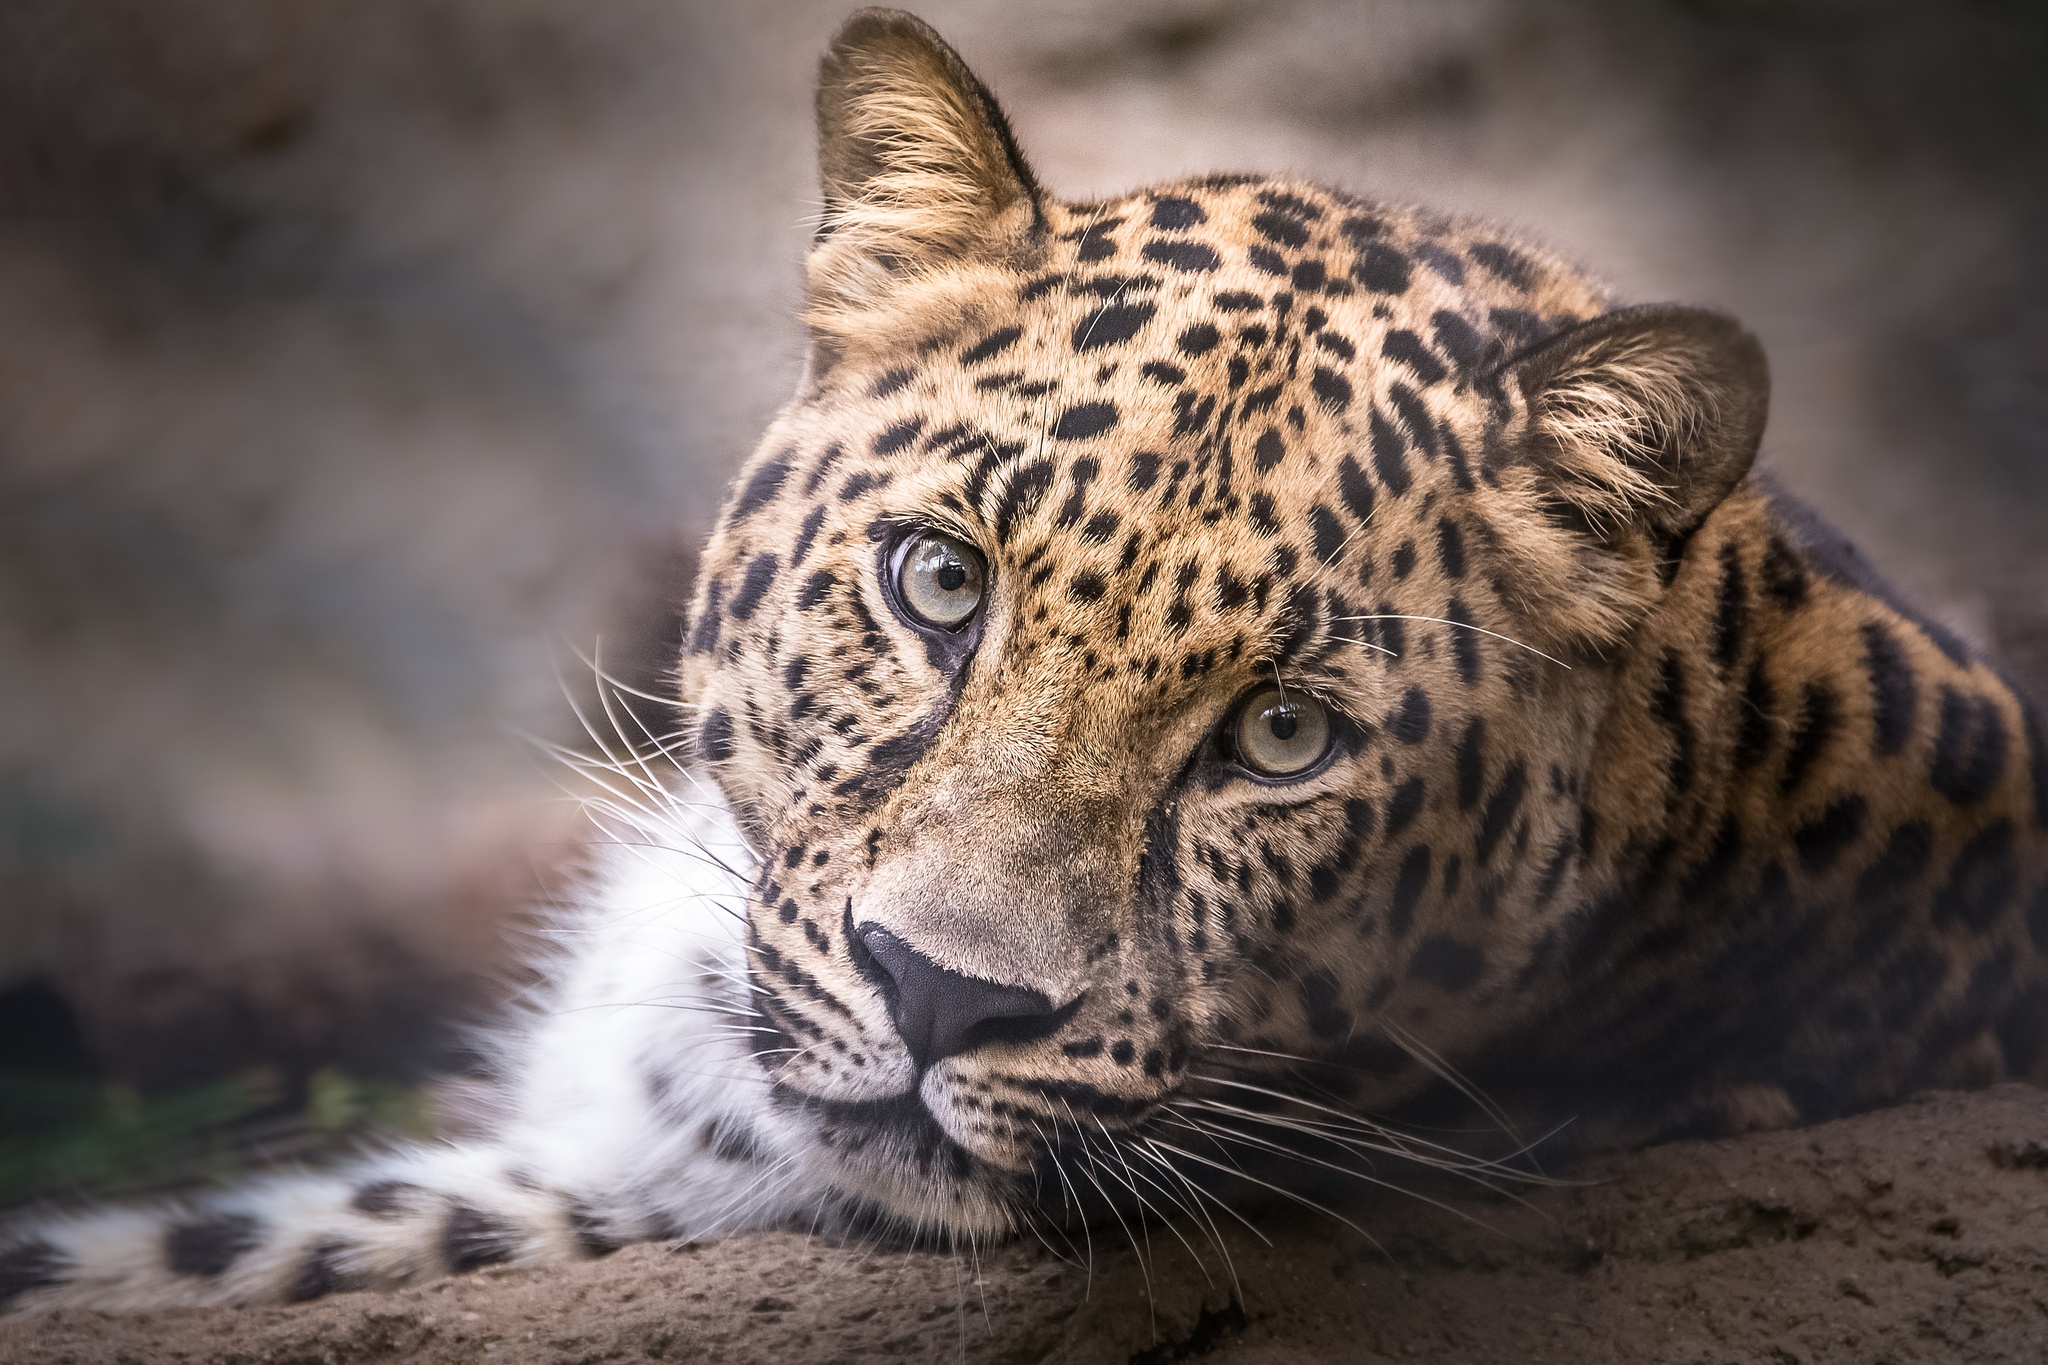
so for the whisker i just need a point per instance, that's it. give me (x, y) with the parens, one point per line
(1466, 625)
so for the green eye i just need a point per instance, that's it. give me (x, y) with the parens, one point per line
(939, 580)
(1282, 734)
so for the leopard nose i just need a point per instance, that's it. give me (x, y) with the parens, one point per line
(942, 1013)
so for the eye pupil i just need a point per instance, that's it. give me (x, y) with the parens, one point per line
(952, 575)
(1283, 724)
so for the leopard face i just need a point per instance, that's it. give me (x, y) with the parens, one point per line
(1160, 650)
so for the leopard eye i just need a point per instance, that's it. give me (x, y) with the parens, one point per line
(939, 580)
(1282, 734)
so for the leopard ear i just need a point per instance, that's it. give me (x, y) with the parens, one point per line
(916, 160)
(1622, 434)
(1643, 419)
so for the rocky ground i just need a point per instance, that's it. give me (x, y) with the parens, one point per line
(1914, 1234)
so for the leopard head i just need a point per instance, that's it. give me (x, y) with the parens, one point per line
(1155, 650)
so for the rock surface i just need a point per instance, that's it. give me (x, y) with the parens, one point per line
(1916, 1234)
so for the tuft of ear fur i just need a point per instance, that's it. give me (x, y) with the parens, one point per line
(918, 165)
(1624, 434)
(1645, 418)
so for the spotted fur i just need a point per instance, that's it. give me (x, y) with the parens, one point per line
(1649, 806)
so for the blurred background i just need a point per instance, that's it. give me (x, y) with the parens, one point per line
(362, 362)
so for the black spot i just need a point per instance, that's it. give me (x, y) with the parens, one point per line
(1111, 324)
(1817, 719)
(1359, 229)
(1322, 881)
(806, 534)
(1087, 587)
(1472, 763)
(1403, 559)
(1171, 213)
(1144, 471)
(1268, 450)
(1784, 575)
(321, 1274)
(1381, 269)
(1337, 346)
(710, 619)
(1319, 1001)
(1026, 489)
(1409, 884)
(1359, 817)
(897, 437)
(1406, 348)
(1464, 643)
(472, 1238)
(865, 481)
(714, 735)
(1970, 748)
(1238, 301)
(994, 344)
(1822, 841)
(1501, 809)
(1905, 857)
(1982, 882)
(1276, 227)
(1450, 962)
(1389, 454)
(763, 487)
(893, 381)
(1507, 265)
(1893, 691)
(1309, 276)
(759, 576)
(1096, 243)
(1356, 489)
(1731, 615)
(1192, 257)
(1083, 421)
(1332, 390)
(1266, 261)
(1450, 548)
(207, 1248)
(814, 589)
(1122, 1052)
(1404, 805)
(1260, 508)
(1329, 533)
(1457, 339)
(384, 1198)
(1667, 703)
(1410, 724)
(1172, 376)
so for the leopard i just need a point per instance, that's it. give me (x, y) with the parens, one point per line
(1197, 685)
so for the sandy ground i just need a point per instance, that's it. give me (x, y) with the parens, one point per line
(1914, 1234)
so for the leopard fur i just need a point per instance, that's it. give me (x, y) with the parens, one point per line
(1647, 805)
